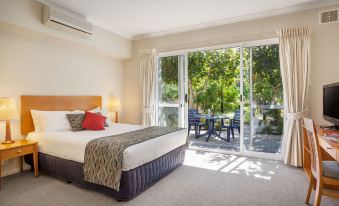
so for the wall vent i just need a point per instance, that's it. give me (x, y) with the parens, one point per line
(328, 17)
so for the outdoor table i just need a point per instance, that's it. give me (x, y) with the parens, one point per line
(211, 120)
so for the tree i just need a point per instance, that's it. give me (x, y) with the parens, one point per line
(213, 80)
(214, 83)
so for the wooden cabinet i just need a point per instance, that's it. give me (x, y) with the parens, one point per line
(19, 149)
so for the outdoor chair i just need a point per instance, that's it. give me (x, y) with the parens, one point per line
(234, 124)
(226, 126)
(195, 122)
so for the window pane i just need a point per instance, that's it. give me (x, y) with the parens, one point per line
(168, 116)
(168, 82)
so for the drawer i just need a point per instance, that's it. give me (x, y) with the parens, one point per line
(16, 152)
(328, 148)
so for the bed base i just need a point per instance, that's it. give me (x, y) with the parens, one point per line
(132, 182)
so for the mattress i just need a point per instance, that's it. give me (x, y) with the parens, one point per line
(70, 145)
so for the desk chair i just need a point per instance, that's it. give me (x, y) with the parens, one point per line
(322, 172)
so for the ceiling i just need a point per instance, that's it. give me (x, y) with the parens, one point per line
(137, 19)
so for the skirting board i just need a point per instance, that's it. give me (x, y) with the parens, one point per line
(12, 171)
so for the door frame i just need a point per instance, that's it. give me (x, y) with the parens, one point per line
(243, 151)
(182, 89)
(240, 45)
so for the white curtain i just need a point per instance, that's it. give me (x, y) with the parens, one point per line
(147, 75)
(295, 50)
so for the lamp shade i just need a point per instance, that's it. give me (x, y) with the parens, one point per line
(114, 105)
(8, 110)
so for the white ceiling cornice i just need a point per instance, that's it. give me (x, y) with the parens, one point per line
(276, 12)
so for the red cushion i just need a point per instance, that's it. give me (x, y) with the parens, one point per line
(93, 121)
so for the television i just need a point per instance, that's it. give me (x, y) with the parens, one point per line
(331, 103)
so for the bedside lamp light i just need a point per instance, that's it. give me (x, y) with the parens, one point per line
(114, 105)
(8, 112)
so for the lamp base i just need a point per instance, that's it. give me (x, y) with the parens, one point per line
(8, 139)
(8, 142)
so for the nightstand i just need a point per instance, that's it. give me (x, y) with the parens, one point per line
(18, 149)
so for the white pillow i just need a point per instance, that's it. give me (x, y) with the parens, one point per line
(104, 113)
(36, 121)
(49, 121)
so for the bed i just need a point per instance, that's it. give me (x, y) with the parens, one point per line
(61, 153)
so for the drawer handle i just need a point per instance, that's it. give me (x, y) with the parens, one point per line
(329, 148)
(19, 151)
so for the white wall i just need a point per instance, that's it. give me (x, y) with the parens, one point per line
(33, 63)
(38, 60)
(324, 56)
(28, 14)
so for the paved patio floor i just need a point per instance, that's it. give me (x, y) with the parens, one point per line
(268, 143)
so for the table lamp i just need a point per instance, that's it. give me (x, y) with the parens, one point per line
(8, 112)
(114, 105)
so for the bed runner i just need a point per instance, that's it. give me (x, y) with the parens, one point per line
(103, 156)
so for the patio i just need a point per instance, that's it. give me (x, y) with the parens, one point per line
(268, 143)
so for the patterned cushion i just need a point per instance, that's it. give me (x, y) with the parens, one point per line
(76, 120)
(331, 169)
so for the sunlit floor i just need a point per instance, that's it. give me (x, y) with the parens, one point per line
(267, 143)
(232, 164)
(205, 179)
(268, 182)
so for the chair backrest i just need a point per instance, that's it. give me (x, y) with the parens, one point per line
(192, 113)
(315, 153)
(236, 119)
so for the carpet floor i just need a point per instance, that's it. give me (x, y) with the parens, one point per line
(206, 178)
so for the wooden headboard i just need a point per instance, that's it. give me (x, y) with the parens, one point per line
(53, 103)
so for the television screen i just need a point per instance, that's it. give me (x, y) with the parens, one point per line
(331, 101)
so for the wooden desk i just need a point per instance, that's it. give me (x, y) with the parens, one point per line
(329, 149)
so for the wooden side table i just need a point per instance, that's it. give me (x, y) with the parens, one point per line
(18, 149)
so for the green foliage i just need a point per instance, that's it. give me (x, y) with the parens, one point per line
(266, 75)
(169, 93)
(213, 78)
(169, 79)
(214, 82)
(169, 69)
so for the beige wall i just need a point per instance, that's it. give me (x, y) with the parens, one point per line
(28, 14)
(325, 53)
(34, 63)
(39, 60)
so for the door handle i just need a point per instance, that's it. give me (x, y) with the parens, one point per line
(186, 98)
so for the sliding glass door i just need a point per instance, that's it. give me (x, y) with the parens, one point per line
(171, 91)
(214, 91)
(262, 105)
(237, 87)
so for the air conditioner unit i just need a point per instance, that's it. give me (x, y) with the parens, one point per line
(328, 16)
(57, 17)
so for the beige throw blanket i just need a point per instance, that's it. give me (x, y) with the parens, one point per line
(103, 156)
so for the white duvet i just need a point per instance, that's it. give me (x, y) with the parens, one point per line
(71, 145)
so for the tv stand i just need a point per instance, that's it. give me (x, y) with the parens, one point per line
(330, 127)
